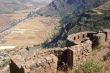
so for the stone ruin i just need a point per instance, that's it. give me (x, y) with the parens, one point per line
(79, 49)
(47, 61)
(97, 38)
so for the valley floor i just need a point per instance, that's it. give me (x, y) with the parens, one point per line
(32, 31)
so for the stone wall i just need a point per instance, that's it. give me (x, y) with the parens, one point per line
(38, 62)
(98, 38)
(48, 60)
(74, 55)
(107, 36)
(32, 60)
(78, 37)
(82, 52)
(101, 39)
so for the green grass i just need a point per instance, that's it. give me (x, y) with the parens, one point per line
(86, 67)
(91, 67)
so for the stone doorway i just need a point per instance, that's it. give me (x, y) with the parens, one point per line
(67, 58)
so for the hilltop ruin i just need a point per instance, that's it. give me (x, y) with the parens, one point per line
(79, 49)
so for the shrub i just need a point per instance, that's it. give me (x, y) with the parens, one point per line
(99, 47)
(91, 67)
(106, 57)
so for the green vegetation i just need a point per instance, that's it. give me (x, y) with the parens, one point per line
(91, 67)
(71, 23)
(86, 67)
(48, 43)
(91, 22)
(107, 56)
(79, 23)
(67, 19)
(99, 47)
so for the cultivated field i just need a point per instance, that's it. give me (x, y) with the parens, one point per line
(32, 31)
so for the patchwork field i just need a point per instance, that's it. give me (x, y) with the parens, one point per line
(31, 32)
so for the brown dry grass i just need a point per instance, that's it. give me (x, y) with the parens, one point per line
(17, 14)
(4, 19)
(33, 31)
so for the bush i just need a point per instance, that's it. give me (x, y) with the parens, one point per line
(99, 47)
(91, 67)
(106, 57)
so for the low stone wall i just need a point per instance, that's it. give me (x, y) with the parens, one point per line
(32, 60)
(75, 55)
(39, 62)
(48, 60)
(82, 52)
(78, 37)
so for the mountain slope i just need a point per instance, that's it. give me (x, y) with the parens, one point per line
(62, 7)
(78, 20)
(105, 6)
(8, 6)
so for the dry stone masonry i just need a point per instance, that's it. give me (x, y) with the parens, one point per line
(38, 63)
(32, 60)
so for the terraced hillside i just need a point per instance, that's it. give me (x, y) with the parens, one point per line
(62, 7)
(105, 6)
(32, 31)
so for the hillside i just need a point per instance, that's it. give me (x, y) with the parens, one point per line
(105, 6)
(4, 20)
(32, 31)
(82, 19)
(8, 6)
(94, 19)
(62, 7)
(54, 36)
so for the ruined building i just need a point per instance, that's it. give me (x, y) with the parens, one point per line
(79, 49)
